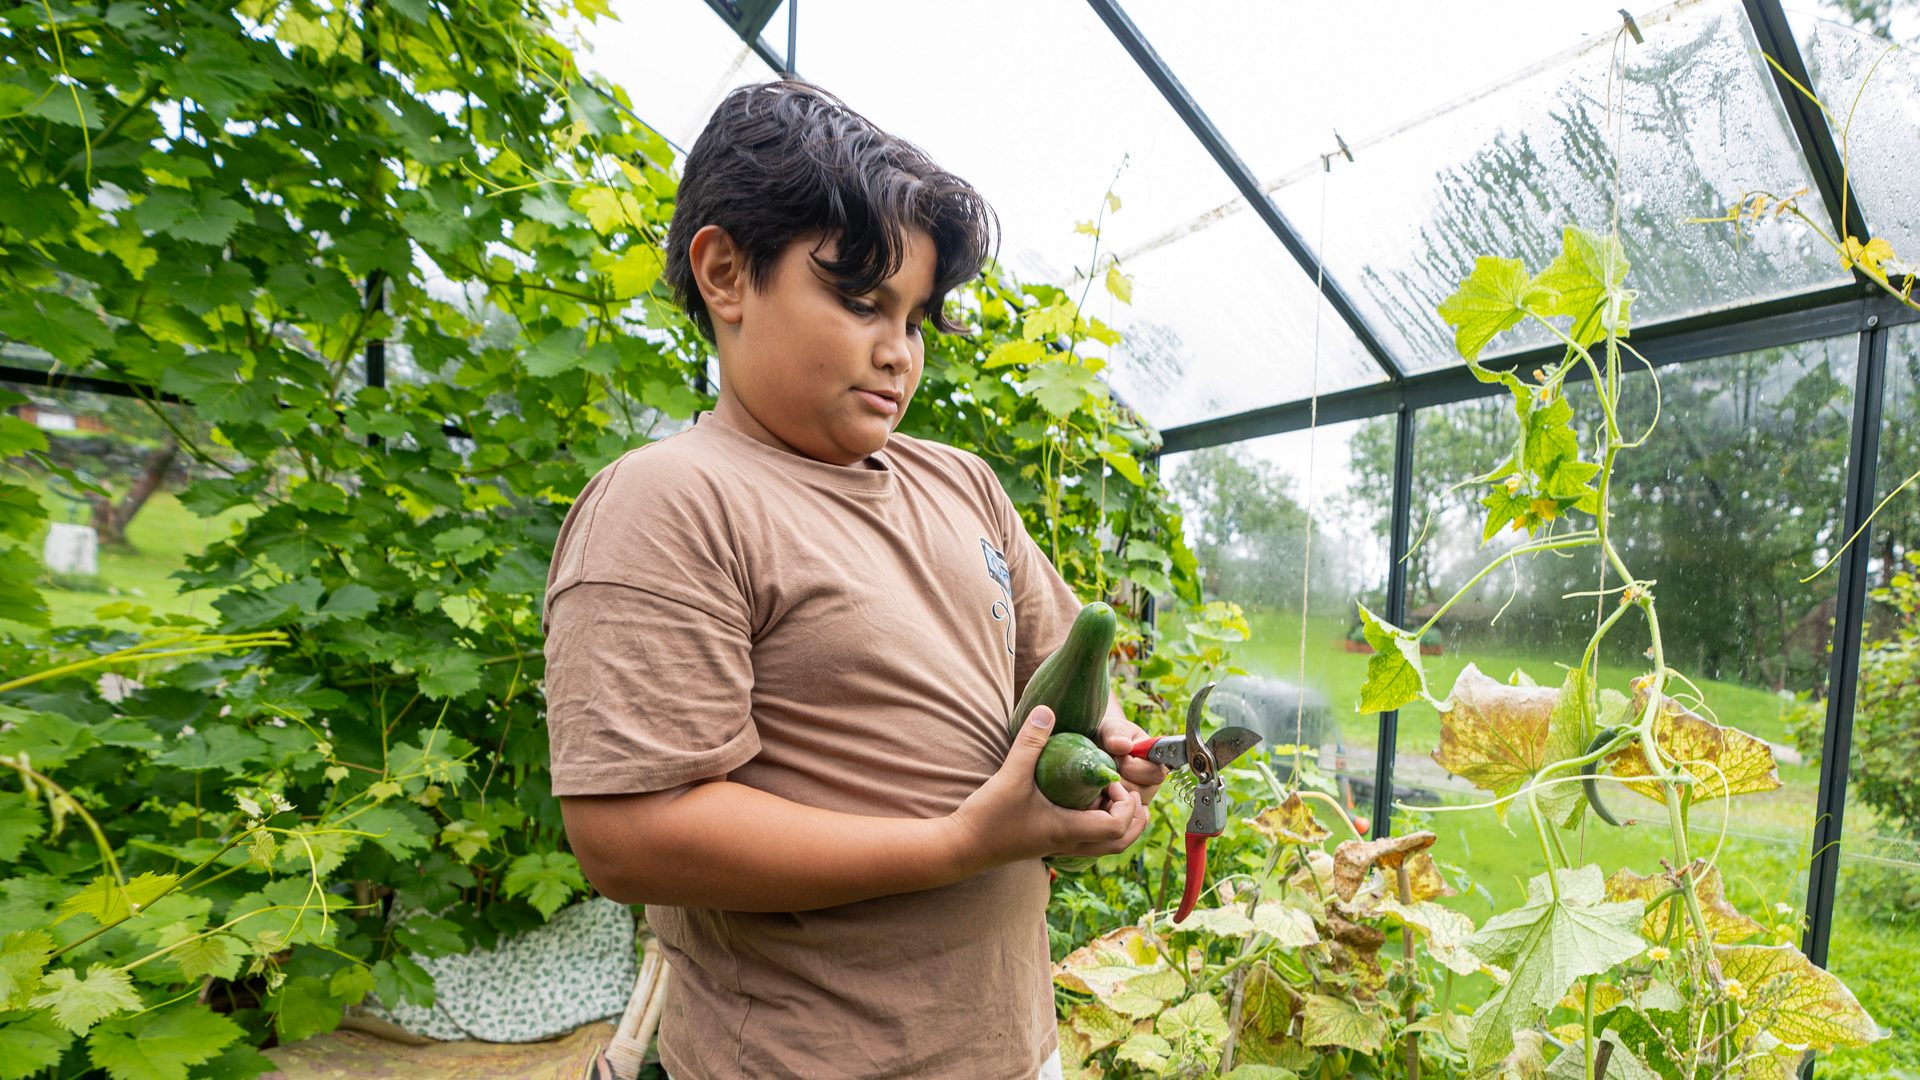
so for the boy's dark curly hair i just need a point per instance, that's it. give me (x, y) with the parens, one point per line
(783, 159)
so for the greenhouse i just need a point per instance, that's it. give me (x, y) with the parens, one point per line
(543, 538)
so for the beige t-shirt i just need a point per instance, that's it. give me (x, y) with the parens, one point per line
(845, 637)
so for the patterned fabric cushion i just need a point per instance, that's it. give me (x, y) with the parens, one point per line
(578, 968)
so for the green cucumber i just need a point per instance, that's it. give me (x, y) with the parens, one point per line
(1073, 681)
(1592, 769)
(1073, 771)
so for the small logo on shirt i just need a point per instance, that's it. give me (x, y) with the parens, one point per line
(1002, 609)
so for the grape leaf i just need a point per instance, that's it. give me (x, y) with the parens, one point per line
(1339, 1021)
(71, 332)
(21, 822)
(1063, 388)
(399, 829)
(1740, 763)
(1394, 674)
(548, 879)
(304, 1006)
(160, 1045)
(1586, 283)
(79, 1003)
(213, 955)
(286, 911)
(23, 956)
(30, 1042)
(107, 901)
(398, 978)
(1796, 1002)
(203, 217)
(1496, 296)
(1546, 944)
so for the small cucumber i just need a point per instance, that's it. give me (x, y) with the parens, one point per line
(1072, 771)
(1591, 770)
(1073, 680)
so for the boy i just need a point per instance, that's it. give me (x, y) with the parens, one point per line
(782, 645)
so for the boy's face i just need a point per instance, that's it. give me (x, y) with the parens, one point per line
(807, 367)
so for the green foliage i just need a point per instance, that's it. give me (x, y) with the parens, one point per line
(343, 765)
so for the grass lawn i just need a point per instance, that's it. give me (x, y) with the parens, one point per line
(1763, 855)
(161, 537)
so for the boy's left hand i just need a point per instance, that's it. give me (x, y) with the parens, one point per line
(1117, 736)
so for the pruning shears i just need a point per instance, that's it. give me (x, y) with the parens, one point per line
(1204, 761)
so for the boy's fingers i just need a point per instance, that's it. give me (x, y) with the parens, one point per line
(1142, 773)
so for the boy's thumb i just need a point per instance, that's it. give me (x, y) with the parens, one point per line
(1035, 732)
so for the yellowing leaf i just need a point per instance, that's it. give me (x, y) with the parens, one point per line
(1102, 1026)
(1338, 1021)
(1085, 228)
(1724, 921)
(1872, 254)
(1120, 285)
(1797, 1003)
(1101, 965)
(1353, 859)
(1289, 926)
(1113, 203)
(1736, 763)
(1147, 1050)
(1292, 822)
(1496, 736)
(1394, 674)
(1497, 295)
(1425, 879)
(1266, 1002)
(1218, 921)
(608, 210)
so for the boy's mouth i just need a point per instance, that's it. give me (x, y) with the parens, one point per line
(884, 401)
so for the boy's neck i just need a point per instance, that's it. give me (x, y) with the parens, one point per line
(727, 410)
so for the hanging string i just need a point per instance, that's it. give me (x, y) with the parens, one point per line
(1313, 423)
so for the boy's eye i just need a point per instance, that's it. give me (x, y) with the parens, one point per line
(861, 307)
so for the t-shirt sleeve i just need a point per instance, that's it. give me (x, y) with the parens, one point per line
(648, 644)
(1043, 604)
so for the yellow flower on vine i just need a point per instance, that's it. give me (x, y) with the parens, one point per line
(1871, 255)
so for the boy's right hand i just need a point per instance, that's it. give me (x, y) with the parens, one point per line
(1009, 819)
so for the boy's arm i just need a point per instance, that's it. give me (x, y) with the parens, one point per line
(724, 845)
(730, 846)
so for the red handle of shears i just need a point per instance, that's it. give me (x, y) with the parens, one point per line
(1196, 874)
(1142, 745)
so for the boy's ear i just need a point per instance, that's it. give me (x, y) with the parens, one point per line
(719, 271)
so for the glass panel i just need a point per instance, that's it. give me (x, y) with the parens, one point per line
(1246, 507)
(675, 59)
(123, 548)
(1840, 50)
(1196, 348)
(1875, 945)
(1056, 109)
(1240, 59)
(1735, 498)
(1502, 170)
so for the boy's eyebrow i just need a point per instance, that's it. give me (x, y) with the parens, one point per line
(887, 290)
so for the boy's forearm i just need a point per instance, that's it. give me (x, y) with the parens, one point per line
(732, 847)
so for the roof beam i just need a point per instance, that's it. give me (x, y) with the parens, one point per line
(1824, 163)
(1770, 324)
(1183, 103)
